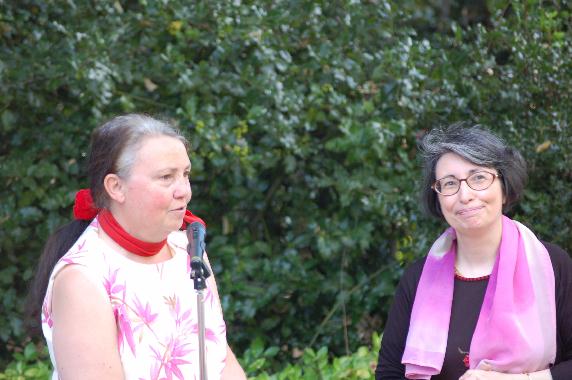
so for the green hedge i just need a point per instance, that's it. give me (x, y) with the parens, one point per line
(304, 118)
(314, 364)
(34, 365)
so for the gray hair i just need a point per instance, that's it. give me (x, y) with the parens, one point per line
(478, 146)
(114, 146)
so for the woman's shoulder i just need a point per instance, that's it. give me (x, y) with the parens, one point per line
(412, 274)
(556, 252)
(81, 252)
(561, 260)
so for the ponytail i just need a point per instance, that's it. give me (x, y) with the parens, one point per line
(57, 245)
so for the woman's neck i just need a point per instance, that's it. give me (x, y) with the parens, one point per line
(476, 253)
(133, 226)
(165, 253)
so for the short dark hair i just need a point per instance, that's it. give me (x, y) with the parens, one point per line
(478, 146)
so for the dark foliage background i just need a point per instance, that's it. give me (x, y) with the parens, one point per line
(304, 118)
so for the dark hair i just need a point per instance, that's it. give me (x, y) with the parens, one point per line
(114, 146)
(478, 146)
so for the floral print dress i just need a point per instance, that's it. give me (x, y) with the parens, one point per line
(154, 307)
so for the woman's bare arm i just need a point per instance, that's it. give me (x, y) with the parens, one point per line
(84, 330)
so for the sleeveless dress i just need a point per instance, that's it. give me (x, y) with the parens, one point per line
(155, 309)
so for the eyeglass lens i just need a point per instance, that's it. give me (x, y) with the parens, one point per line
(476, 181)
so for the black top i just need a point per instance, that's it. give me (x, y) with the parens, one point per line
(467, 300)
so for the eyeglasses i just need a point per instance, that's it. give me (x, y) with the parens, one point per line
(478, 181)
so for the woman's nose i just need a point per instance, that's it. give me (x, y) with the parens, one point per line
(465, 192)
(183, 188)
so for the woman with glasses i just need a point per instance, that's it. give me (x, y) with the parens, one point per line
(490, 300)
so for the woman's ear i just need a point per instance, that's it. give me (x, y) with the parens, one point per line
(115, 187)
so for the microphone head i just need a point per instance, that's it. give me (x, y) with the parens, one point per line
(197, 229)
(196, 233)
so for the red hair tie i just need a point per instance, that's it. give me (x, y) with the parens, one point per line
(83, 207)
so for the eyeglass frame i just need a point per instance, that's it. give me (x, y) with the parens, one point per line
(434, 185)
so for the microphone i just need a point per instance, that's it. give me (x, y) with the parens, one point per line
(196, 233)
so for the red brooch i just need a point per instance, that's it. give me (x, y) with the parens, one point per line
(466, 361)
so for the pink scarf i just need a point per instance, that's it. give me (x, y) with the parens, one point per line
(516, 329)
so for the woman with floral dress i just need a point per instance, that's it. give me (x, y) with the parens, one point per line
(118, 301)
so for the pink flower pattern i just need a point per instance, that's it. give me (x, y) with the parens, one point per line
(144, 313)
(125, 331)
(173, 356)
(154, 308)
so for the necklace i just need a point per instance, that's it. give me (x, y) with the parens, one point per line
(459, 276)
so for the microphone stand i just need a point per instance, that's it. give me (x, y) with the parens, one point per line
(199, 273)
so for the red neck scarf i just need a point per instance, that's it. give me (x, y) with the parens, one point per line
(84, 209)
(126, 240)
